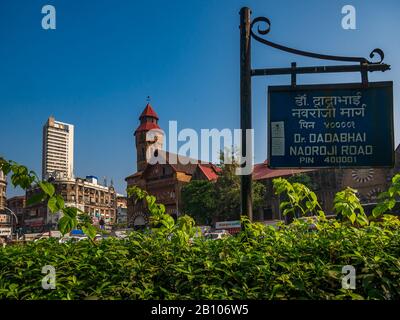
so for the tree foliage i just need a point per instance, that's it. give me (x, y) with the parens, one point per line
(210, 201)
(301, 260)
(292, 261)
(71, 217)
(304, 179)
(198, 199)
(298, 200)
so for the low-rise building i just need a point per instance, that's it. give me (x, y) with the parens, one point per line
(165, 178)
(122, 210)
(369, 183)
(85, 194)
(17, 205)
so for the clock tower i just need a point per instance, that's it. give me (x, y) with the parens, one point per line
(149, 137)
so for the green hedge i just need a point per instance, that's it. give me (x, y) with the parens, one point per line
(303, 260)
(290, 262)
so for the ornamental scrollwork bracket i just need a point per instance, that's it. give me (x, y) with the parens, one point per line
(266, 23)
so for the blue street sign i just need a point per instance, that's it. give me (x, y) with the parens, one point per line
(339, 125)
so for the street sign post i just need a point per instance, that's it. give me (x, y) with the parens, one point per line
(373, 142)
(341, 125)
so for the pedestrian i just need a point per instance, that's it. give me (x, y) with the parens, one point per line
(101, 223)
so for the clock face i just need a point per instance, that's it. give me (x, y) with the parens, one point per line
(362, 175)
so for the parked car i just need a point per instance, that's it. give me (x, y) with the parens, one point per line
(216, 235)
(99, 237)
(222, 231)
(48, 235)
(122, 233)
(204, 229)
(66, 239)
(42, 237)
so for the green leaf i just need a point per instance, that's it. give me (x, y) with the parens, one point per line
(70, 212)
(52, 204)
(47, 187)
(66, 224)
(5, 167)
(89, 230)
(36, 198)
(352, 217)
(56, 203)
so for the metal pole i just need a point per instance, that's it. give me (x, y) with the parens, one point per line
(245, 107)
(321, 69)
(293, 77)
(16, 219)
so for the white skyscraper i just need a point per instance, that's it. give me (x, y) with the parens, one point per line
(3, 186)
(58, 150)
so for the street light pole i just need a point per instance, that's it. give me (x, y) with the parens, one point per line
(16, 219)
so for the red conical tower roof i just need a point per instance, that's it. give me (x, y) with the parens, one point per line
(146, 124)
(148, 112)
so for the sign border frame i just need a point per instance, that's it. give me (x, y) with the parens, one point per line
(352, 85)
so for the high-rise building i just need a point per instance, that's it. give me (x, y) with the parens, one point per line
(58, 150)
(3, 186)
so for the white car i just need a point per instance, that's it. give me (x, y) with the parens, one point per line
(121, 234)
(222, 231)
(216, 235)
(48, 235)
(72, 239)
(99, 237)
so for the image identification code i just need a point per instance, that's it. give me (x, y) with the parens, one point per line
(201, 309)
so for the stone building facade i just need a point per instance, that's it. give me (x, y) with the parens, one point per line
(17, 205)
(122, 209)
(369, 182)
(163, 177)
(85, 194)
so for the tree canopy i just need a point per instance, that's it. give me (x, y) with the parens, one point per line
(208, 201)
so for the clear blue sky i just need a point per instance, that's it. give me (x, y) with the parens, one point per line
(96, 69)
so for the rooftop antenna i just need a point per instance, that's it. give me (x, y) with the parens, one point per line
(148, 99)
